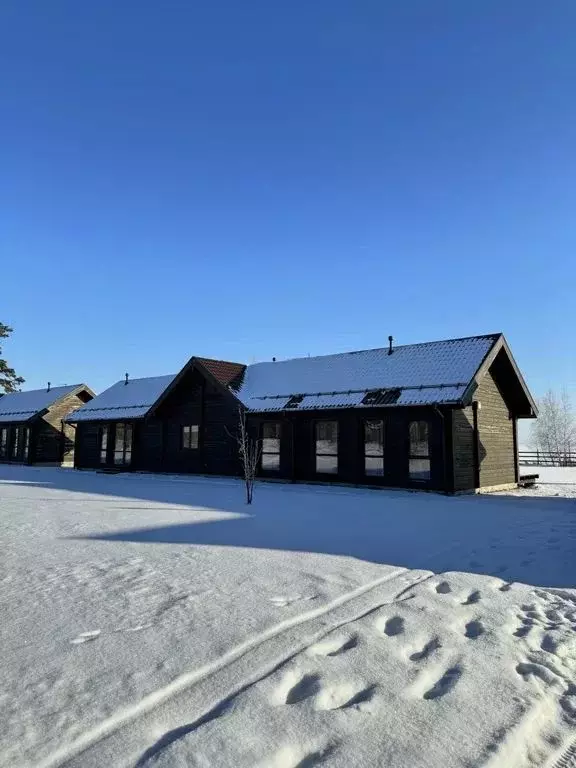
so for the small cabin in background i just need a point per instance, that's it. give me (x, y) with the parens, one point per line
(436, 416)
(33, 428)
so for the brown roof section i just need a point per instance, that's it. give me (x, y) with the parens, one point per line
(226, 373)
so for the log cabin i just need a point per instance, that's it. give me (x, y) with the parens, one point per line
(436, 416)
(33, 429)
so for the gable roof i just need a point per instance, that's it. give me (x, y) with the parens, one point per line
(438, 372)
(124, 401)
(23, 406)
(226, 373)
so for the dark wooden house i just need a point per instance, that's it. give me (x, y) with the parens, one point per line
(438, 416)
(175, 423)
(32, 424)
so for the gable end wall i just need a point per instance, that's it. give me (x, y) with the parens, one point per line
(52, 443)
(496, 435)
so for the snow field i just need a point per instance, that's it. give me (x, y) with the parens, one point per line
(154, 621)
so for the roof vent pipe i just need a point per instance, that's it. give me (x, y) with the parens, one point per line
(126, 382)
(49, 385)
(390, 340)
(273, 359)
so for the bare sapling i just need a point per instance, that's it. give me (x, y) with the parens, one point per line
(249, 450)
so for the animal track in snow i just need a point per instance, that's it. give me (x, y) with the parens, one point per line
(473, 598)
(86, 637)
(391, 627)
(443, 588)
(474, 629)
(429, 648)
(506, 587)
(445, 684)
(333, 646)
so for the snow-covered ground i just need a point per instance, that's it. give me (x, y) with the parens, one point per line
(149, 621)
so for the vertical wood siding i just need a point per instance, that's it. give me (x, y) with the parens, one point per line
(496, 435)
(463, 448)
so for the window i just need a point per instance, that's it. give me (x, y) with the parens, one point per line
(15, 442)
(123, 444)
(271, 446)
(3, 441)
(26, 443)
(103, 444)
(419, 459)
(327, 447)
(190, 436)
(374, 447)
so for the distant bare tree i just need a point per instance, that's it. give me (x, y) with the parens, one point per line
(554, 431)
(249, 450)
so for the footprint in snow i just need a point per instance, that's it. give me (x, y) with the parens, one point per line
(304, 688)
(443, 588)
(473, 597)
(86, 637)
(429, 648)
(393, 626)
(333, 646)
(343, 696)
(445, 684)
(474, 629)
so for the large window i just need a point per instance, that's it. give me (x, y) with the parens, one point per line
(190, 436)
(26, 443)
(327, 447)
(3, 442)
(419, 459)
(104, 444)
(123, 444)
(271, 446)
(15, 442)
(374, 447)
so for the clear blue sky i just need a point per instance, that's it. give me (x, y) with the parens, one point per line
(257, 178)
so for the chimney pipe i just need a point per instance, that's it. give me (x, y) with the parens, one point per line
(126, 382)
(390, 340)
(49, 385)
(273, 359)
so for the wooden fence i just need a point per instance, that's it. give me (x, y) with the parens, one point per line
(547, 458)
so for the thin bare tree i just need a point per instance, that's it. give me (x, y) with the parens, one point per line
(249, 451)
(554, 432)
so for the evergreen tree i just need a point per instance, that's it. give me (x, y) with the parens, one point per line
(9, 382)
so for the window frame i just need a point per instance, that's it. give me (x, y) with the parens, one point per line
(320, 454)
(187, 433)
(26, 443)
(368, 455)
(264, 452)
(416, 455)
(16, 437)
(125, 451)
(4, 432)
(103, 442)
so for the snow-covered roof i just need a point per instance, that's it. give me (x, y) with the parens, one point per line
(123, 400)
(417, 374)
(22, 406)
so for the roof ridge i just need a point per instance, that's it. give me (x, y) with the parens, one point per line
(45, 389)
(378, 349)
